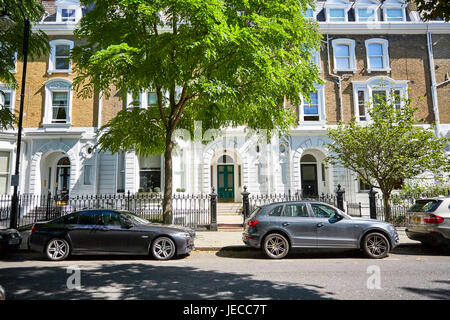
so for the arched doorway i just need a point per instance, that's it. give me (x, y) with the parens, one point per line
(225, 178)
(308, 167)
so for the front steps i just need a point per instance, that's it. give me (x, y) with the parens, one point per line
(229, 216)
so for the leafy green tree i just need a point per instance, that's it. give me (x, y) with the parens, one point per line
(11, 44)
(433, 9)
(222, 62)
(391, 147)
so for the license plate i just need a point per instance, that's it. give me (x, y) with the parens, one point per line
(416, 219)
(13, 241)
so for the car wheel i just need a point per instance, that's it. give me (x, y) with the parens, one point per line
(57, 249)
(276, 246)
(163, 248)
(376, 245)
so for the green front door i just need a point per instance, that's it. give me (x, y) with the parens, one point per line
(225, 181)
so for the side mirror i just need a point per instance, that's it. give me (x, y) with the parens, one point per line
(335, 219)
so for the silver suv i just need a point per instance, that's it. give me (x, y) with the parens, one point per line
(278, 227)
(428, 221)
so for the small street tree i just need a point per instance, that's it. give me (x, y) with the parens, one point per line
(389, 148)
(11, 45)
(222, 62)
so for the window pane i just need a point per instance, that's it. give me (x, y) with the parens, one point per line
(59, 99)
(309, 13)
(366, 13)
(343, 63)
(376, 62)
(322, 211)
(89, 217)
(152, 98)
(342, 50)
(62, 63)
(59, 114)
(3, 184)
(68, 14)
(62, 50)
(379, 96)
(150, 179)
(337, 14)
(375, 49)
(276, 212)
(112, 219)
(4, 162)
(296, 210)
(361, 106)
(5, 99)
(87, 175)
(394, 14)
(311, 107)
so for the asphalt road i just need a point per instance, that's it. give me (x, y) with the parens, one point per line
(408, 273)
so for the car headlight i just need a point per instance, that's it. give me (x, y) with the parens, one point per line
(184, 235)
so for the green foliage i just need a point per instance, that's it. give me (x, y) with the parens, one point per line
(11, 40)
(415, 188)
(433, 9)
(391, 147)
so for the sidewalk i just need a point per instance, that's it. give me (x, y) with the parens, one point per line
(216, 240)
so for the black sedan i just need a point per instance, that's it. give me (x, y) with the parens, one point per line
(109, 232)
(10, 240)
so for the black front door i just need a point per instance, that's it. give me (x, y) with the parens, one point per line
(309, 180)
(225, 182)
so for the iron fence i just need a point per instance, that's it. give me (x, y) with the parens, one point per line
(187, 210)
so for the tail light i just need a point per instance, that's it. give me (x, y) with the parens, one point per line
(252, 223)
(33, 229)
(433, 219)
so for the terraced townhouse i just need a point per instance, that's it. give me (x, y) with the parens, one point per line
(368, 47)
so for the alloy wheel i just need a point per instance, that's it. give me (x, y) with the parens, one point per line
(276, 246)
(163, 248)
(376, 245)
(57, 249)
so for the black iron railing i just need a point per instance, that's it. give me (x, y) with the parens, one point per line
(188, 210)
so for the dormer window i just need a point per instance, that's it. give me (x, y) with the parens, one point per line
(68, 11)
(68, 15)
(394, 14)
(310, 13)
(366, 10)
(337, 10)
(394, 10)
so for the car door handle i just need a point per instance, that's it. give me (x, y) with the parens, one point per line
(285, 224)
(320, 225)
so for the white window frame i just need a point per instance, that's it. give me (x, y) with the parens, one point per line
(337, 4)
(52, 59)
(7, 89)
(379, 83)
(68, 5)
(394, 4)
(367, 5)
(7, 173)
(351, 45)
(320, 90)
(385, 49)
(57, 85)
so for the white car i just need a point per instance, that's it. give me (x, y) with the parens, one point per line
(428, 221)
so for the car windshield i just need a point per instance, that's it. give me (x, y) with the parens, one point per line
(425, 206)
(134, 218)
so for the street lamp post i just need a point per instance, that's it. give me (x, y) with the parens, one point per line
(15, 179)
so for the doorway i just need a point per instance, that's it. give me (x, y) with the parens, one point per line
(62, 183)
(308, 167)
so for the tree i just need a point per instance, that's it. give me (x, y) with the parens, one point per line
(391, 147)
(11, 44)
(222, 62)
(433, 9)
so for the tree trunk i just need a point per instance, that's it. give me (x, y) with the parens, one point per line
(167, 201)
(387, 206)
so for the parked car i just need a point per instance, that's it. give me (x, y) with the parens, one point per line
(278, 227)
(108, 232)
(428, 221)
(10, 240)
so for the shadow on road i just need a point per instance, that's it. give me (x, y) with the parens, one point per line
(432, 293)
(141, 280)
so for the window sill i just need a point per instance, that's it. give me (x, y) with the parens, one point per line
(344, 70)
(56, 125)
(68, 71)
(388, 70)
